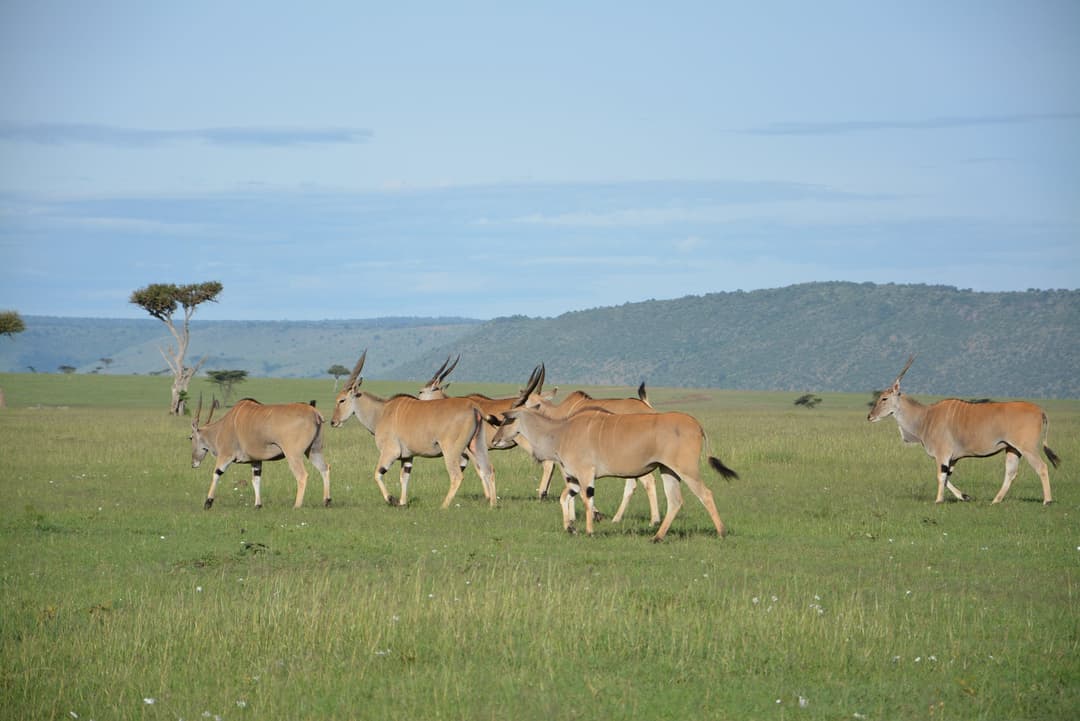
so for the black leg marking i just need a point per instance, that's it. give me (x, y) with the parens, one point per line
(590, 491)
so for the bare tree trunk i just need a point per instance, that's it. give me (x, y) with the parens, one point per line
(160, 301)
(182, 374)
(181, 381)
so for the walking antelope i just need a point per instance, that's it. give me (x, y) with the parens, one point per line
(596, 443)
(405, 427)
(578, 401)
(953, 429)
(435, 389)
(252, 433)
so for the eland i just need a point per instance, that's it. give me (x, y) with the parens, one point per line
(596, 443)
(580, 400)
(405, 427)
(952, 429)
(435, 389)
(252, 432)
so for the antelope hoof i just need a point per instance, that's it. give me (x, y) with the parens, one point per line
(258, 506)
(657, 539)
(209, 502)
(543, 496)
(326, 503)
(1048, 503)
(571, 529)
(597, 516)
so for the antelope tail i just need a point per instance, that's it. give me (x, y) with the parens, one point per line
(1051, 456)
(719, 467)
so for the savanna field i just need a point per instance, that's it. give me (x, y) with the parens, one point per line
(842, 591)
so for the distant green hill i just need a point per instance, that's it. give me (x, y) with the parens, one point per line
(817, 336)
(285, 349)
(811, 337)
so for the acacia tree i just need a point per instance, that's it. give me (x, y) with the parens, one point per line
(11, 323)
(337, 370)
(161, 300)
(226, 379)
(808, 401)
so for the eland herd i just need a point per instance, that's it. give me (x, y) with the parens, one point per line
(586, 437)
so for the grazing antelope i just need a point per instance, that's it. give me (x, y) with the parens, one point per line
(953, 429)
(595, 443)
(578, 401)
(405, 427)
(252, 433)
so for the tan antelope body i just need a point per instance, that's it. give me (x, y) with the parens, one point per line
(578, 401)
(595, 443)
(252, 432)
(952, 429)
(435, 389)
(405, 427)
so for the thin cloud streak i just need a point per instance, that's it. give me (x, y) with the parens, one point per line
(116, 137)
(864, 126)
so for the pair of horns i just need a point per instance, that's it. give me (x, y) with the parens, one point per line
(536, 381)
(441, 374)
(198, 411)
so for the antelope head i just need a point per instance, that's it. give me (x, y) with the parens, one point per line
(200, 444)
(506, 432)
(436, 387)
(889, 401)
(345, 404)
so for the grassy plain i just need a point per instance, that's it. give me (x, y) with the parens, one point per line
(842, 593)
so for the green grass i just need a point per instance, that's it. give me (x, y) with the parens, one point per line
(841, 584)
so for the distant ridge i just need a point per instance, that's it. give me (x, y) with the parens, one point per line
(285, 349)
(814, 336)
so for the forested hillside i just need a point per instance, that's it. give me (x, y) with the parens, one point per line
(812, 337)
(818, 336)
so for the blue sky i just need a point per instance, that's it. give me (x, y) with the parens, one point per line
(353, 160)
